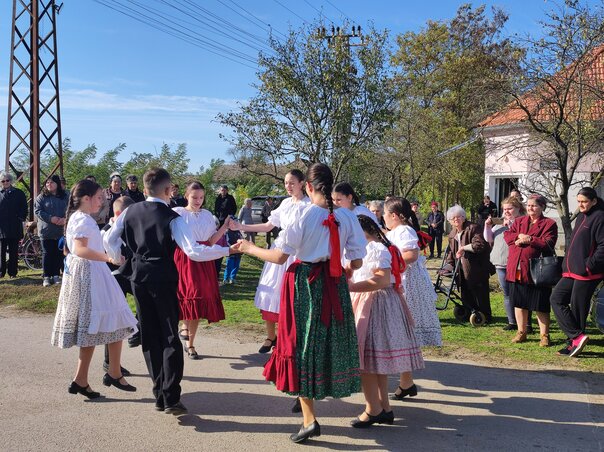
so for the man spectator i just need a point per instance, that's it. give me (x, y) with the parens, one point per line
(13, 211)
(176, 199)
(267, 208)
(436, 222)
(487, 209)
(224, 205)
(132, 190)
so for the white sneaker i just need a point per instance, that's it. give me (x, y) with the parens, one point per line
(46, 282)
(56, 279)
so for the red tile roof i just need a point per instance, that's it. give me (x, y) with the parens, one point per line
(542, 102)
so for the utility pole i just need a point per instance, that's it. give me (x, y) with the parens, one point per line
(34, 114)
(341, 43)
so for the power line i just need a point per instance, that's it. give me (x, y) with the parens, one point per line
(291, 11)
(340, 11)
(177, 33)
(252, 15)
(320, 11)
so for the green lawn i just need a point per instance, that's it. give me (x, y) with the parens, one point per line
(488, 344)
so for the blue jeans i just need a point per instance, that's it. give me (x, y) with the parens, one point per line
(509, 309)
(232, 267)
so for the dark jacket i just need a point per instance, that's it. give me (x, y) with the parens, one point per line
(136, 196)
(544, 235)
(46, 207)
(224, 206)
(13, 212)
(179, 201)
(475, 265)
(437, 218)
(110, 198)
(584, 259)
(483, 212)
(147, 233)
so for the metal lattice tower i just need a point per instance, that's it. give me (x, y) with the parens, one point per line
(34, 115)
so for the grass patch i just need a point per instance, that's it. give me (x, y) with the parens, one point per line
(488, 344)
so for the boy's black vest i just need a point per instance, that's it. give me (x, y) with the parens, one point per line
(147, 233)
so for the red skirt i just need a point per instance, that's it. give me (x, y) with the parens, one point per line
(198, 291)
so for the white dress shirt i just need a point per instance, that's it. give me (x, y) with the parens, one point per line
(181, 233)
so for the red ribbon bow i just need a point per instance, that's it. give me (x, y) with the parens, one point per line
(398, 265)
(335, 264)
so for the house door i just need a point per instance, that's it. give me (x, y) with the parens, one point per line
(503, 187)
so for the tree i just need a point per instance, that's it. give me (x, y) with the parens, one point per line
(445, 79)
(559, 97)
(316, 102)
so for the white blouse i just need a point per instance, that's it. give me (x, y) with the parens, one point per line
(202, 223)
(308, 239)
(81, 225)
(377, 257)
(404, 237)
(288, 212)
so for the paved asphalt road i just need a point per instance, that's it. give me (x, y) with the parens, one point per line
(460, 406)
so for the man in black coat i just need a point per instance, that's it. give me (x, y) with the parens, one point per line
(132, 190)
(436, 227)
(224, 205)
(485, 210)
(13, 212)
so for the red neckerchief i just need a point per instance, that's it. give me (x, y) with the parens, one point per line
(398, 265)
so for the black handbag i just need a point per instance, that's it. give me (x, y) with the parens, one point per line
(546, 271)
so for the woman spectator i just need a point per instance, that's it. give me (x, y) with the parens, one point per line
(467, 243)
(50, 208)
(530, 237)
(245, 217)
(582, 270)
(493, 233)
(13, 211)
(112, 193)
(377, 208)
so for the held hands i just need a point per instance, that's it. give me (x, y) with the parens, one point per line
(460, 253)
(242, 246)
(119, 262)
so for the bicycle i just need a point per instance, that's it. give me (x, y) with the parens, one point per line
(30, 248)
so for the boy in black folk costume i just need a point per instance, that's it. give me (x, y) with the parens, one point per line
(152, 231)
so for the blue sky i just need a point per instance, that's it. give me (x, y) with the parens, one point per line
(123, 81)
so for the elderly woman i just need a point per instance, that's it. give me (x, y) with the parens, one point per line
(530, 237)
(467, 243)
(13, 211)
(512, 208)
(377, 208)
(50, 208)
(245, 217)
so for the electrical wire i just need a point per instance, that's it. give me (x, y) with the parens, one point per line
(340, 11)
(164, 28)
(291, 11)
(320, 11)
(255, 17)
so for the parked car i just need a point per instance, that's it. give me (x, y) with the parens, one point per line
(258, 204)
(597, 308)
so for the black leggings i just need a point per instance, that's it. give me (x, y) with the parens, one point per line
(570, 302)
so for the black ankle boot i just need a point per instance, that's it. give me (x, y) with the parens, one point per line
(313, 429)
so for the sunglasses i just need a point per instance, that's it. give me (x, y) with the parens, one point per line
(5, 180)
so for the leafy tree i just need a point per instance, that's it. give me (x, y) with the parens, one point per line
(315, 102)
(559, 93)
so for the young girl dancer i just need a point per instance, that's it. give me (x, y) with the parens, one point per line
(387, 343)
(92, 309)
(317, 354)
(198, 292)
(268, 293)
(418, 288)
(344, 196)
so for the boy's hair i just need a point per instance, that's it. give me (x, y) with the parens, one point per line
(120, 204)
(155, 180)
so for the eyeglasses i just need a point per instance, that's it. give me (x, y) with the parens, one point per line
(5, 180)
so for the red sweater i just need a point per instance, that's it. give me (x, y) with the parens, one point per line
(544, 233)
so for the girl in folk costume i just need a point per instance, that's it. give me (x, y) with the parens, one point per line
(92, 309)
(317, 353)
(418, 289)
(268, 293)
(198, 292)
(387, 342)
